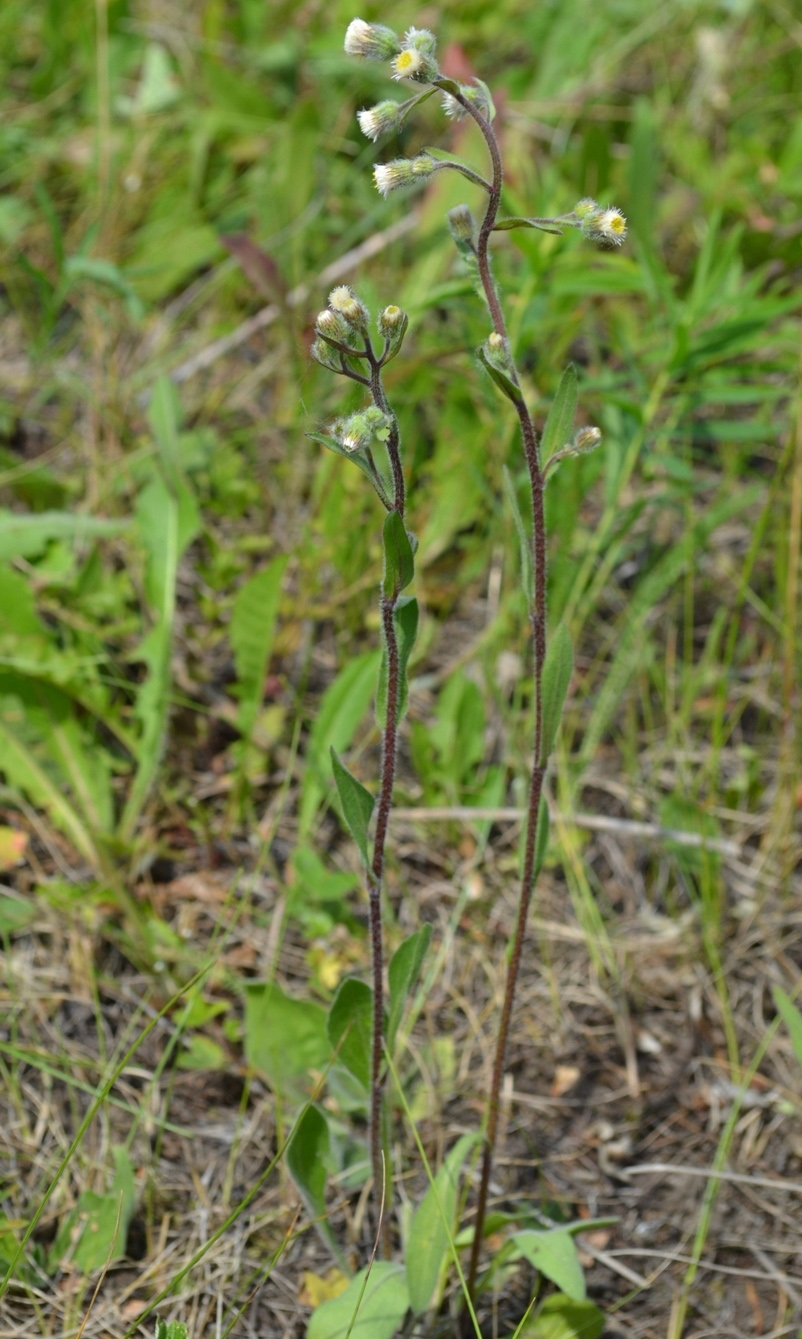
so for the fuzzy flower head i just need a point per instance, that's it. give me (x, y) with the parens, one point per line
(370, 41)
(477, 97)
(587, 439)
(357, 432)
(416, 59)
(402, 172)
(344, 302)
(382, 119)
(460, 222)
(331, 324)
(601, 225)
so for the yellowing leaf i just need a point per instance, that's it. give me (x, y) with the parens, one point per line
(318, 1288)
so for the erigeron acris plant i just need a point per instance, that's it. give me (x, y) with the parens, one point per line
(360, 1025)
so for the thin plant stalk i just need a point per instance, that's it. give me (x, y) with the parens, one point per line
(537, 615)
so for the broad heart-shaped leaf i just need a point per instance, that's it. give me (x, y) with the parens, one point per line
(557, 672)
(372, 1306)
(524, 540)
(559, 428)
(405, 621)
(792, 1019)
(350, 1027)
(357, 803)
(561, 1318)
(432, 1226)
(405, 965)
(284, 1038)
(505, 383)
(307, 1159)
(399, 564)
(553, 1253)
(541, 837)
(515, 221)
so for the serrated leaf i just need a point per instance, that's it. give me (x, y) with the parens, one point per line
(559, 428)
(505, 384)
(307, 1162)
(524, 542)
(357, 803)
(403, 971)
(432, 1226)
(405, 621)
(554, 1254)
(399, 563)
(372, 1306)
(350, 1027)
(557, 670)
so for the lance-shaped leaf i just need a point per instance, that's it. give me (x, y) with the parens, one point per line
(405, 622)
(405, 965)
(516, 221)
(559, 428)
(557, 671)
(307, 1158)
(399, 563)
(432, 1227)
(350, 1027)
(357, 803)
(505, 383)
(363, 461)
(527, 574)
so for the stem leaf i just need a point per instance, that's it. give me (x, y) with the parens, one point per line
(559, 427)
(557, 670)
(357, 803)
(350, 1027)
(505, 384)
(399, 563)
(405, 965)
(527, 574)
(405, 621)
(307, 1156)
(516, 221)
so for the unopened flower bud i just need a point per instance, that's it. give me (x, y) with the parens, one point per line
(460, 222)
(421, 39)
(497, 353)
(324, 354)
(331, 324)
(371, 41)
(475, 96)
(393, 324)
(586, 208)
(345, 303)
(587, 439)
(357, 432)
(402, 172)
(379, 120)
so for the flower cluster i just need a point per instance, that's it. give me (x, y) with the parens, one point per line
(357, 432)
(600, 225)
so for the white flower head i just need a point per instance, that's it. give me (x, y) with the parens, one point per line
(370, 41)
(379, 120)
(390, 176)
(611, 226)
(408, 64)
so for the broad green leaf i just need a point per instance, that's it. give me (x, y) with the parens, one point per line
(557, 672)
(253, 623)
(340, 712)
(350, 1027)
(505, 383)
(524, 538)
(561, 1318)
(399, 563)
(432, 1227)
(357, 803)
(284, 1038)
(372, 1306)
(403, 971)
(541, 837)
(559, 428)
(25, 536)
(792, 1019)
(553, 1253)
(96, 1229)
(307, 1160)
(405, 621)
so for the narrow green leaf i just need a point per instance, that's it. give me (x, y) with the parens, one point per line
(541, 837)
(405, 966)
(561, 1318)
(515, 221)
(284, 1038)
(25, 536)
(524, 540)
(559, 428)
(792, 1019)
(557, 672)
(350, 1027)
(399, 563)
(21, 768)
(357, 803)
(307, 1161)
(554, 1254)
(505, 384)
(253, 623)
(432, 1225)
(372, 1306)
(340, 711)
(405, 621)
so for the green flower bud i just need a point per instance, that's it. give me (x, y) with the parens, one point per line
(331, 324)
(393, 324)
(461, 225)
(402, 172)
(345, 303)
(370, 41)
(587, 439)
(379, 120)
(324, 354)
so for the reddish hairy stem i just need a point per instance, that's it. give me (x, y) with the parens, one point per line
(538, 619)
